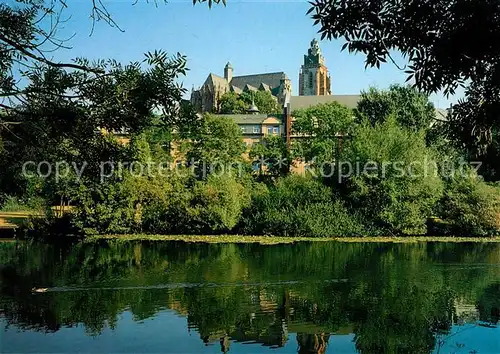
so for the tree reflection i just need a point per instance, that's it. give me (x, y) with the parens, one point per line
(393, 298)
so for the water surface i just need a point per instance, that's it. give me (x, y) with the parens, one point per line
(325, 297)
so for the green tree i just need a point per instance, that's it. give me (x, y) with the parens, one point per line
(230, 103)
(412, 109)
(233, 103)
(62, 128)
(439, 39)
(273, 151)
(469, 205)
(321, 127)
(218, 144)
(264, 100)
(217, 204)
(28, 40)
(391, 177)
(300, 206)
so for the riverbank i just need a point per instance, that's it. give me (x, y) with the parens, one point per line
(272, 240)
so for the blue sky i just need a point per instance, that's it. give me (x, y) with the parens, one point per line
(255, 36)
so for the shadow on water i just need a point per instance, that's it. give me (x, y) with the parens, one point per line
(389, 298)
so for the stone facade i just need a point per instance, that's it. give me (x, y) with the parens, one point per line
(314, 79)
(206, 98)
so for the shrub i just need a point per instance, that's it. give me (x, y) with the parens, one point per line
(390, 197)
(471, 206)
(216, 204)
(299, 206)
(11, 203)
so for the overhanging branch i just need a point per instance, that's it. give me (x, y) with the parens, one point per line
(27, 53)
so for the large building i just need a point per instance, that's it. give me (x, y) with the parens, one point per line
(314, 89)
(206, 98)
(314, 79)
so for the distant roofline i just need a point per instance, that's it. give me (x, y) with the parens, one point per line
(220, 77)
(273, 73)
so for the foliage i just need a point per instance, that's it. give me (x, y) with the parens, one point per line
(218, 144)
(321, 127)
(390, 178)
(11, 203)
(471, 206)
(216, 205)
(233, 103)
(58, 127)
(438, 37)
(412, 109)
(440, 41)
(299, 206)
(474, 127)
(274, 152)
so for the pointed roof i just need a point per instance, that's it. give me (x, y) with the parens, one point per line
(216, 80)
(264, 87)
(236, 89)
(249, 88)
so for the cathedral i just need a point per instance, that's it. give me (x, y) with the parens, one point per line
(314, 80)
(206, 98)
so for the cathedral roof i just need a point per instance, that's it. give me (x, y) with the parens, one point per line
(264, 87)
(249, 88)
(216, 80)
(271, 79)
(236, 89)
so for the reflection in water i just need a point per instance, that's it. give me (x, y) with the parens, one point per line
(390, 298)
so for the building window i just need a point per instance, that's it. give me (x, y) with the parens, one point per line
(275, 130)
(269, 130)
(310, 79)
(256, 130)
(242, 130)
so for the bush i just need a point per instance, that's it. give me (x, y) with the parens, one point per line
(471, 206)
(217, 204)
(11, 203)
(391, 198)
(299, 206)
(105, 209)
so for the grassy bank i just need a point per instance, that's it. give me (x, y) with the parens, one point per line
(271, 240)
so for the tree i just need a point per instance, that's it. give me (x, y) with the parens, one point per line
(233, 103)
(390, 177)
(62, 128)
(470, 206)
(272, 150)
(230, 103)
(217, 204)
(440, 41)
(28, 36)
(300, 206)
(321, 127)
(264, 100)
(412, 109)
(439, 38)
(218, 145)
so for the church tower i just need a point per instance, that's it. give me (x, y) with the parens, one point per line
(314, 79)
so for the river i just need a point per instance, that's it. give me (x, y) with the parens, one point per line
(319, 297)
